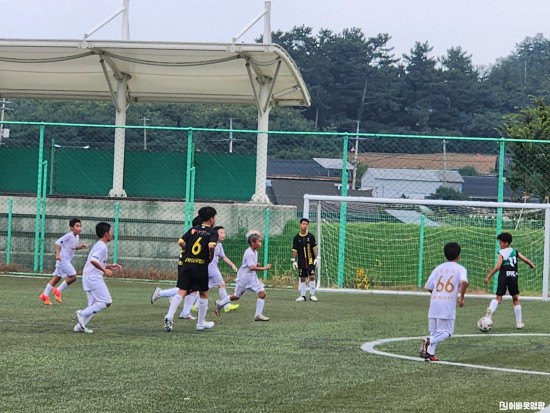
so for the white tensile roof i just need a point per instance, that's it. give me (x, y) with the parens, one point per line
(159, 71)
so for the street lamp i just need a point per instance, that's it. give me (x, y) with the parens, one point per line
(145, 132)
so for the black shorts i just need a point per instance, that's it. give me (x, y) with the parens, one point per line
(307, 272)
(193, 278)
(510, 283)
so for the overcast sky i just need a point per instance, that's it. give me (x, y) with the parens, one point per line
(486, 29)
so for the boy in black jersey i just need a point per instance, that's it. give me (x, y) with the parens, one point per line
(305, 259)
(198, 249)
(507, 266)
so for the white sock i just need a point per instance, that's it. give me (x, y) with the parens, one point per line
(517, 312)
(225, 301)
(203, 306)
(63, 286)
(223, 293)
(174, 304)
(493, 305)
(169, 292)
(93, 309)
(187, 304)
(48, 289)
(436, 338)
(311, 288)
(260, 306)
(302, 288)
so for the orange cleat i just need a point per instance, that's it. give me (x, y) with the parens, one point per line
(430, 357)
(57, 295)
(45, 299)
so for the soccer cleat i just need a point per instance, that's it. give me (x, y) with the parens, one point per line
(168, 324)
(424, 347)
(187, 317)
(231, 307)
(520, 325)
(45, 299)
(81, 319)
(206, 326)
(430, 357)
(78, 329)
(301, 298)
(313, 298)
(261, 317)
(155, 295)
(57, 295)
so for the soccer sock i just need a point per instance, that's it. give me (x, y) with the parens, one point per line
(203, 306)
(94, 308)
(48, 289)
(169, 292)
(63, 286)
(223, 293)
(436, 338)
(311, 288)
(493, 306)
(302, 288)
(517, 312)
(225, 301)
(174, 304)
(187, 304)
(260, 306)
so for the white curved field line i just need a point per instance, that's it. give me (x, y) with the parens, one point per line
(370, 348)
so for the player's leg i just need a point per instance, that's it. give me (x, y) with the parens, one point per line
(188, 302)
(45, 296)
(513, 289)
(501, 290)
(240, 289)
(311, 271)
(202, 284)
(302, 284)
(258, 287)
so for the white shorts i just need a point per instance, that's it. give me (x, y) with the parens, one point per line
(96, 287)
(436, 325)
(252, 284)
(215, 278)
(64, 269)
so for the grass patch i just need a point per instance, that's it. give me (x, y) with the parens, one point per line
(307, 358)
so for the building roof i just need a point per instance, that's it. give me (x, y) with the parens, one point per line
(484, 188)
(429, 175)
(295, 167)
(159, 71)
(333, 163)
(291, 192)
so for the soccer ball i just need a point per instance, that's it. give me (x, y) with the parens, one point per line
(485, 324)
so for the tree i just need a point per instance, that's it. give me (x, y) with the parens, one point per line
(447, 193)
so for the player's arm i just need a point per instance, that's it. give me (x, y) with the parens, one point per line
(463, 287)
(57, 252)
(81, 246)
(230, 263)
(105, 270)
(526, 260)
(259, 268)
(181, 243)
(494, 270)
(211, 250)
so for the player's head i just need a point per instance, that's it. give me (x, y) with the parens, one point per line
(254, 239)
(75, 225)
(208, 214)
(304, 223)
(221, 233)
(505, 238)
(196, 221)
(452, 251)
(102, 228)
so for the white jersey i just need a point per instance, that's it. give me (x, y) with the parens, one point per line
(68, 243)
(218, 253)
(98, 253)
(444, 282)
(250, 258)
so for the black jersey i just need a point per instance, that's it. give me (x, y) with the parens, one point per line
(198, 241)
(304, 245)
(509, 267)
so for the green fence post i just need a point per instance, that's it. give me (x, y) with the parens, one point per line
(343, 213)
(115, 235)
(188, 214)
(421, 252)
(500, 198)
(266, 241)
(192, 194)
(43, 214)
(52, 160)
(38, 198)
(8, 241)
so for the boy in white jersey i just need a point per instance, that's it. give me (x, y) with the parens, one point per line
(445, 282)
(507, 267)
(64, 253)
(247, 279)
(92, 278)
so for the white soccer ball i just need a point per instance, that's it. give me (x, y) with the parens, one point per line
(485, 324)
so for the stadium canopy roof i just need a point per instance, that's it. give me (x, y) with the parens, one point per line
(157, 71)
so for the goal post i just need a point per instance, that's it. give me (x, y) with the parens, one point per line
(394, 244)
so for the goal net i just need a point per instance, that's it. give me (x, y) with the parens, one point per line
(375, 243)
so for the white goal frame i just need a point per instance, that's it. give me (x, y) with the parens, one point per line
(343, 200)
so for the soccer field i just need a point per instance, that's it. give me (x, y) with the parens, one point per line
(307, 358)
